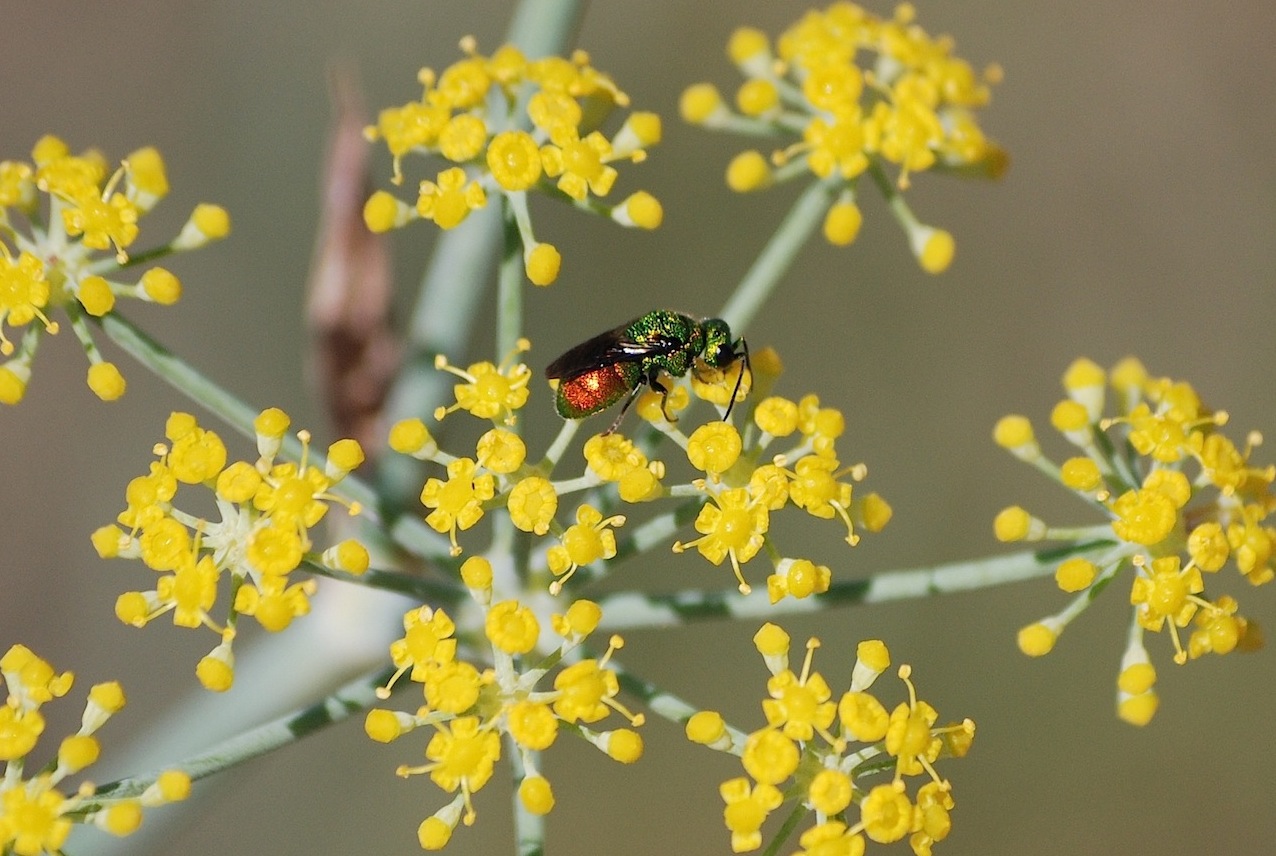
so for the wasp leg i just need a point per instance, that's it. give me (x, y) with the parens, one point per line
(658, 385)
(623, 409)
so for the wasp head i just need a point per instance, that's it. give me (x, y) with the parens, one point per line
(719, 350)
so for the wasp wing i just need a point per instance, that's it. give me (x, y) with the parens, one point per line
(607, 349)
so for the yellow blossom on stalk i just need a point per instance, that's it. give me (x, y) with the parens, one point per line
(588, 540)
(797, 578)
(458, 502)
(35, 815)
(732, 525)
(747, 809)
(266, 510)
(745, 484)
(70, 254)
(508, 124)
(821, 752)
(490, 391)
(450, 199)
(532, 504)
(854, 94)
(1181, 502)
(468, 711)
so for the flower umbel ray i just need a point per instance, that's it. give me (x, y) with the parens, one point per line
(854, 94)
(266, 511)
(1181, 502)
(822, 753)
(472, 711)
(513, 125)
(66, 229)
(35, 816)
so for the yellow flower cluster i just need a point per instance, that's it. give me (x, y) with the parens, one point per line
(267, 509)
(825, 748)
(35, 817)
(508, 124)
(70, 252)
(742, 489)
(1182, 502)
(862, 95)
(470, 711)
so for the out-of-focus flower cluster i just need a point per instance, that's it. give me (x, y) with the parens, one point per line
(1182, 503)
(823, 753)
(862, 95)
(35, 817)
(471, 711)
(67, 223)
(508, 124)
(266, 510)
(740, 489)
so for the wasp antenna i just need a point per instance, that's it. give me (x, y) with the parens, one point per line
(744, 347)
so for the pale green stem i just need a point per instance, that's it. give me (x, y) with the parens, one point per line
(425, 589)
(1084, 598)
(529, 829)
(1097, 532)
(509, 329)
(561, 442)
(356, 696)
(895, 199)
(509, 289)
(629, 610)
(442, 323)
(786, 831)
(803, 219)
(456, 279)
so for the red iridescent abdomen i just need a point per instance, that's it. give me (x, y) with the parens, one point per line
(596, 389)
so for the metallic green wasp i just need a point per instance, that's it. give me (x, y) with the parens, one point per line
(600, 371)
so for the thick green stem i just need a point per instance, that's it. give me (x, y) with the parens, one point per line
(457, 277)
(627, 610)
(358, 695)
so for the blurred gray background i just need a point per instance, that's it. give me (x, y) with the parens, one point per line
(1137, 218)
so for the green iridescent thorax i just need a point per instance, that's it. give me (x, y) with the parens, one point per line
(663, 325)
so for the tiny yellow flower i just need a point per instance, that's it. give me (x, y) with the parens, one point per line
(532, 504)
(732, 525)
(512, 627)
(514, 159)
(769, 756)
(458, 502)
(714, 447)
(542, 263)
(588, 540)
(490, 391)
(586, 691)
(747, 808)
(798, 578)
(462, 756)
(450, 198)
